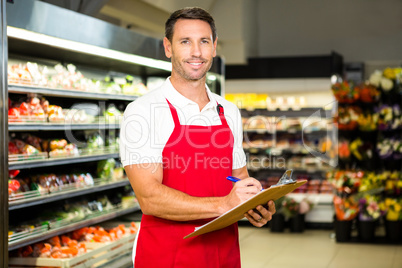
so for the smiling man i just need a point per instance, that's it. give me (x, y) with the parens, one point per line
(178, 145)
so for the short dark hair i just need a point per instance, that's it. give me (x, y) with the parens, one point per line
(192, 13)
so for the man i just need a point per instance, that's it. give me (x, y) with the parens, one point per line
(178, 145)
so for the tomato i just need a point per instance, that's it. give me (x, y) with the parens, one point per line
(24, 109)
(14, 112)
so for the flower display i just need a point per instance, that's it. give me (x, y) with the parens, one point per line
(346, 208)
(369, 208)
(290, 207)
(345, 92)
(392, 208)
(368, 93)
(387, 79)
(397, 149)
(396, 117)
(362, 150)
(347, 117)
(371, 181)
(392, 182)
(367, 121)
(305, 206)
(385, 148)
(345, 181)
(385, 117)
(343, 150)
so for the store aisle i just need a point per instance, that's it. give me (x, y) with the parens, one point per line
(261, 248)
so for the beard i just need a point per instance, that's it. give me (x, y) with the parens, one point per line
(178, 67)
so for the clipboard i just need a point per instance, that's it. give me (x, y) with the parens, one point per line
(237, 213)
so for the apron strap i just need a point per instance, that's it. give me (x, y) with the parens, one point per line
(219, 109)
(174, 114)
(221, 113)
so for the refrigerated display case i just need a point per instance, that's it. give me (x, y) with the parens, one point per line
(48, 35)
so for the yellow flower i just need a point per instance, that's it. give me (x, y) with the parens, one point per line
(389, 73)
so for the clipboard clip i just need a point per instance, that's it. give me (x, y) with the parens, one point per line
(286, 178)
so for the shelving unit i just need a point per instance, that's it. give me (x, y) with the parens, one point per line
(322, 212)
(67, 93)
(35, 199)
(143, 57)
(59, 161)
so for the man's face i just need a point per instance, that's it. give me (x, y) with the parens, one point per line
(191, 50)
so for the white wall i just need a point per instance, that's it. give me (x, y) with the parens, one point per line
(360, 30)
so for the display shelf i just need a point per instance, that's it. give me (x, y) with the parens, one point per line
(313, 170)
(34, 198)
(323, 199)
(48, 233)
(55, 126)
(59, 161)
(290, 131)
(65, 93)
(111, 254)
(277, 151)
(303, 112)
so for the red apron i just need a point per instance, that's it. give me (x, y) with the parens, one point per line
(196, 160)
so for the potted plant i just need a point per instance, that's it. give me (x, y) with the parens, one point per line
(277, 223)
(393, 218)
(369, 214)
(346, 210)
(295, 212)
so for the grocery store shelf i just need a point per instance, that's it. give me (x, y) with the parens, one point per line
(321, 199)
(303, 112)
(70, 227)
(51, 126)
(65, 93)
(59, 161)
(312, 170)
(290, 131)
(122, 261)
(42, 199)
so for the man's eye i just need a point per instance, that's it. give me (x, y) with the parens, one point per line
(185, 42)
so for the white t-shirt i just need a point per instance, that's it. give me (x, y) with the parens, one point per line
(148, 123)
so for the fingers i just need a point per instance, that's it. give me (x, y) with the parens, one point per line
(260, 215)
(249, 186)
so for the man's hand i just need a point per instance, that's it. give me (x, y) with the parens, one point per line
(242, 191)
(261, 215)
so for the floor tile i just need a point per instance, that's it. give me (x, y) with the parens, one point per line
(261, 248)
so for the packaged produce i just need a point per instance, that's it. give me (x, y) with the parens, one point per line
(105, 168)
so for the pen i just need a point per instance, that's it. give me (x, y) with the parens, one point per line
(234, 179)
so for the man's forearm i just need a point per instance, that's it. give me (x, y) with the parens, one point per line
(171, 204)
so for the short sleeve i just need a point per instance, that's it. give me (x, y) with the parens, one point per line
(136, 146)
(239, 157)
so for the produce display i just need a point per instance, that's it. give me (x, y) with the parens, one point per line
(68, 77)
(27, 145)
(70, 212)
(38, 110)
(74, 243)
(45, 183)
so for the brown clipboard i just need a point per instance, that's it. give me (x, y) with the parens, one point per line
(237, 213)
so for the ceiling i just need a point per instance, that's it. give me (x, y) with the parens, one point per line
(147, 16)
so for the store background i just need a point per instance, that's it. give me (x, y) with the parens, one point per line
(365, 33)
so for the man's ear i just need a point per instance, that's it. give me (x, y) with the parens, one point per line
(215, 43)
(168, 47)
